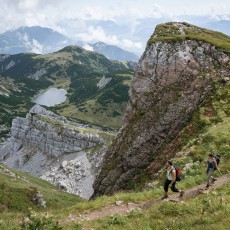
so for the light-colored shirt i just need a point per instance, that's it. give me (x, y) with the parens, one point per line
(169, 173)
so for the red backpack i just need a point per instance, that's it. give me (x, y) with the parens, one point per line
(178, 173)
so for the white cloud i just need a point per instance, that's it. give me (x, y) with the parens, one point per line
(95, 34)
(27, 4)
(91, 13)
(220, 17)
(36, 47)
(49, 13)
(88, 47)
(69, 16)
(33, 46)
(130, 44)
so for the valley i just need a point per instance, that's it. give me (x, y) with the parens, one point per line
(73, 69)
(109, 141)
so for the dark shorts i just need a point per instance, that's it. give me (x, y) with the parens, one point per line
(173, 188)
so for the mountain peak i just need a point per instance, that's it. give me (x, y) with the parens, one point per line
(176, 28)
(181, 31)
(175, 76)
(72, 48)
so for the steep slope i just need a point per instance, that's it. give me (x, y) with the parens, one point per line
(88, 77)
(49, 146)
(14, 101)
(17, 193)
(76, 60)
(175, 76)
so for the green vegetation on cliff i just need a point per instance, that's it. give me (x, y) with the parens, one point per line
(179, 32)
(207, 131)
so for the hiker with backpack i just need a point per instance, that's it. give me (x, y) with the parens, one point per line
(171, 179)
(212, 165)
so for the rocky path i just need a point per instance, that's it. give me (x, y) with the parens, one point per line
(124, 208)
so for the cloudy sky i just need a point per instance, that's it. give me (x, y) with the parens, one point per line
(68, 16)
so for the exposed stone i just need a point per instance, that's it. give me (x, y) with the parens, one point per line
(38, 74)
(171, 81)
(119, 202)
(11, 64)
(39, 200)
(7, 172)
(42, 140)
(63, 164)
(103, 82)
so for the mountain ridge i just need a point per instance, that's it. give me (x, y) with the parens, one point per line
(49, 146)
(43, 40)
(114, 52)
(173, 79)
(97, 88)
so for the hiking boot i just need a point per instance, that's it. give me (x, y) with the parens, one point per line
(214, 179)
(181, 193)
(164, 197)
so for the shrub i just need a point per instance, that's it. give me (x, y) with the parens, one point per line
(43, 223)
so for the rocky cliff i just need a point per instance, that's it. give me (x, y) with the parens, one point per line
(173, 78)
(51, 147)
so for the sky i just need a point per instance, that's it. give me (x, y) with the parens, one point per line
(15, 13)
(68, 16)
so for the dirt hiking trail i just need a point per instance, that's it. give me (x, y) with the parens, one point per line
(124, 208)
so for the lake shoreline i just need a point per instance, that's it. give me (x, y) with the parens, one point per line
(51, 97)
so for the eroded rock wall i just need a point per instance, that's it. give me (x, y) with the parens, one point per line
(172, 80)
(53, 148)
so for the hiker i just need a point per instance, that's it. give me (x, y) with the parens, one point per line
(211, 166)
(170, 181)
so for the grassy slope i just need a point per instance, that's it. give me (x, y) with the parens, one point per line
(209, 211)
(208, 131)
(169, 33)
(104, 107)
(76, 70)
(16, 195)
(17, 103)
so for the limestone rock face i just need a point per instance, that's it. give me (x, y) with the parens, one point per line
(172, 80)
(103, 82)
(51, 147)
(38, 74)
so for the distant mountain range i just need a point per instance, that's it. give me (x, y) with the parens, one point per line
(114, 52)
(221, 26)
(33, 39)
(42, 40)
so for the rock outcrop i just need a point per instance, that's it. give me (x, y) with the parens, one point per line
(173, 78)
(51, 147)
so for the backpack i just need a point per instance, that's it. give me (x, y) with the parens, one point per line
(178, 173)
(217, 158)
